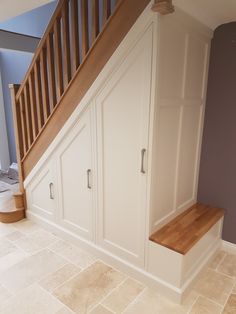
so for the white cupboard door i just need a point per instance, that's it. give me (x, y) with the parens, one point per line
(123, 120)
(76, 178)
(42, 194)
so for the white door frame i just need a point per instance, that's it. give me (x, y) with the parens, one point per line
(4, 148)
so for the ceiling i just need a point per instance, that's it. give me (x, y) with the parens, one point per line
(12, 8)
(210, 12)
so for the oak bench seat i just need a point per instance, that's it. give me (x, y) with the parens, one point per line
(184, 231)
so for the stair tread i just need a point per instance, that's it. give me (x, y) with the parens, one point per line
(184, 231)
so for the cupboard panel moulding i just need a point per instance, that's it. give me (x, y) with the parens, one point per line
(165, 156)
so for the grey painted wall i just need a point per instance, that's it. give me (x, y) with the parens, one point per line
(14, 63)
(19, 42)
(32, 23)
(13, 66)
(217, 181)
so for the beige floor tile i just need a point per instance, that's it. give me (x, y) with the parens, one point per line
(217, 259)
(228, 265)
(26, 244)
(15, 235)
(234, 289)
(6, 229)
(36, 241)
(230, 307)
(73, 254)
(122, 296)
(4, 294)
(43, 238)
(33, 300)
(30, 270)
(59, 277)
(26, 226)
(150, 302)
(65, 310)
(205, 306)
(6, 247)
(11, 259)
(89, 287)
(100, 310)
(214, 286)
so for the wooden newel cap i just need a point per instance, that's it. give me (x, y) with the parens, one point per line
(163, 7)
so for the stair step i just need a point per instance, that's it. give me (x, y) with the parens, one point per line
(12, 216)
(184, 231)
(8, 211)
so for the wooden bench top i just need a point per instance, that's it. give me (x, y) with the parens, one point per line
(188, 228)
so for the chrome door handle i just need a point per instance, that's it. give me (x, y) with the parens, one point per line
(88, 179)
(50, 191)
(143, 151)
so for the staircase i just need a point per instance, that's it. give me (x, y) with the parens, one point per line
(80, 38)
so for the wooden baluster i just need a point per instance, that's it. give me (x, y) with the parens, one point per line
(18, 131)
(24, 125)
(84, 27)
(44, 82)
(95, 19)
(66, 44)
(106, 11)
(58, 57)
(28, 115)
(51, 72)
(33, 106)
(74, 35)
(38, 93)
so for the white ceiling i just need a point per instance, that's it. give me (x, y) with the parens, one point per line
(12, 8)
(210, 12)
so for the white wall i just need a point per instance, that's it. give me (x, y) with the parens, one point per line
(4, 149)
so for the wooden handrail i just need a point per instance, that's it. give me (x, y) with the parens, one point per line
(69, 57)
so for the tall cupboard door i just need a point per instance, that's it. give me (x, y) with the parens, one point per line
(42, 192)
(123, 121)
(76, 184)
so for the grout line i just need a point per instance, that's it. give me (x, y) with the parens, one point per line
(58, 300)
(230, 293)
(54, 271)
(138, 297)
(135, 299)
(191, 307)
(221, 261)
(108, 294)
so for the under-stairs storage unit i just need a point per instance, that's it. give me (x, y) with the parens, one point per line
(126, 161)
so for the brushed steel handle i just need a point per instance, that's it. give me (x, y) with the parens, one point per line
(143, 151)
(50, 191)
(88, 179)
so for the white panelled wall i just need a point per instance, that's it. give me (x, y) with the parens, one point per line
(184, 47)
(127, 159)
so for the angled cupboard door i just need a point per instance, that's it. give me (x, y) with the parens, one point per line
(42, 192)
(123, 120)
(74, 165)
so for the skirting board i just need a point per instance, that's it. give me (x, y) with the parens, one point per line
(228, 247)
(171, 292)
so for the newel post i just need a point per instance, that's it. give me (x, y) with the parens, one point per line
(163, 7)
(18, 132)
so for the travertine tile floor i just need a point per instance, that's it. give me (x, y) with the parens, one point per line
(42, 274)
